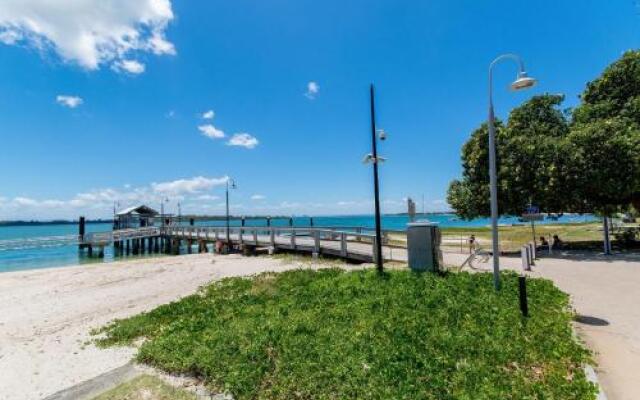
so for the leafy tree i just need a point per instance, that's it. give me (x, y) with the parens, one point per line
(530, 167)
(610, 111)
(470, 196)
(605, 165)
(614, 94)
(587, 163)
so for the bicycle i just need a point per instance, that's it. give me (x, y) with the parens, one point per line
(478, 254)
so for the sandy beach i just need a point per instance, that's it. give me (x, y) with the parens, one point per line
(46, 315)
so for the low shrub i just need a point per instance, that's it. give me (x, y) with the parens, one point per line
(331, 334)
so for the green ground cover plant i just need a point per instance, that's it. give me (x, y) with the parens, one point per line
(330, 334)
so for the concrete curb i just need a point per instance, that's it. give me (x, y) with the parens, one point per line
(593, 377)
(98, 385)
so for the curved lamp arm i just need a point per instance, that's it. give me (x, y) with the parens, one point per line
(507, 56)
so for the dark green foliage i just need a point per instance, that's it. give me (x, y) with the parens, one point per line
(345, 335)
(531, 166)
(614, 94)
(606, 167)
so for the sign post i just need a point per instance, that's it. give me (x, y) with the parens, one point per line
(533, 214)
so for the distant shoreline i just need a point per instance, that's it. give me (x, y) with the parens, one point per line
(199, 218)
(55, 222)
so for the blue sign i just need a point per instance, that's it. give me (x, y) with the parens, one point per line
(532, 210)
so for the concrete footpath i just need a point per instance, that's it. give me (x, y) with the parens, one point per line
(605, 292)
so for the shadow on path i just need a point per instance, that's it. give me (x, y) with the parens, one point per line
(589, 320)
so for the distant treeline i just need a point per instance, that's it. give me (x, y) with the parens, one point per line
(54, 222)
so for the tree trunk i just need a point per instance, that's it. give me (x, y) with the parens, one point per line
(607, 242)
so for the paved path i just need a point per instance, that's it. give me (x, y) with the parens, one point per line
(605, 292)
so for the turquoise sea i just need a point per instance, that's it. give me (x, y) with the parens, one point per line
(21, 246)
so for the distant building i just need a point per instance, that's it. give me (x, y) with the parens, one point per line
(411, 209)
(136, 217)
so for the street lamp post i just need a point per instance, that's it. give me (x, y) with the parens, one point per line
(233, 186)
(375, 160)
(162, 216)
(116, 205)
(523, 81)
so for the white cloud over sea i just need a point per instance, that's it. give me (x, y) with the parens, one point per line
(198, 195)
(90, 33)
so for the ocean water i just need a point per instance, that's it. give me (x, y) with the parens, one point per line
(21, 247)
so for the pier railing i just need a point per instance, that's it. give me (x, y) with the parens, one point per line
(104, 238)
(346, 243)
(356, 243)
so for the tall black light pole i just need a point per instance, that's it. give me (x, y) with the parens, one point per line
(376, 185)
(233, 186)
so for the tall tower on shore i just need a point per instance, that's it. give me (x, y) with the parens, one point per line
(411, 209)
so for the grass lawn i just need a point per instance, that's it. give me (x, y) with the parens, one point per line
(332, 334)
(146, 387)
(513, 237)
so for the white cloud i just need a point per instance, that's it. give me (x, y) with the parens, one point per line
(312, 90)
(289, 205)
(87, 32)
(69, 101)
(131, 66)
(25, 201)
(258, 197)
(207, 197)
(211, 131)
(243, 140)
(98, 203)
(9, 37)
(208, 114)
(182, 186)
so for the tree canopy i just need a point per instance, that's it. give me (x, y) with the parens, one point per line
(583, 161)
(529, 169)
(614, 94)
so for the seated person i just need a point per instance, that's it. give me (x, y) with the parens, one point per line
(556, 243)
(543, 242)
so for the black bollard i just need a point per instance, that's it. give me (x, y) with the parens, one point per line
(522, 288)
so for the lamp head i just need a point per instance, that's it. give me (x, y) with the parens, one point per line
(523, 82)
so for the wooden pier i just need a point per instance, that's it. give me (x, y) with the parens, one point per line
(350, 243)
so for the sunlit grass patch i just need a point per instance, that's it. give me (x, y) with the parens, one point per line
(331, 334)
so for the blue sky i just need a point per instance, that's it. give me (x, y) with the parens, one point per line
(104, 105)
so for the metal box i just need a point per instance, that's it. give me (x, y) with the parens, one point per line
(423, 246)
